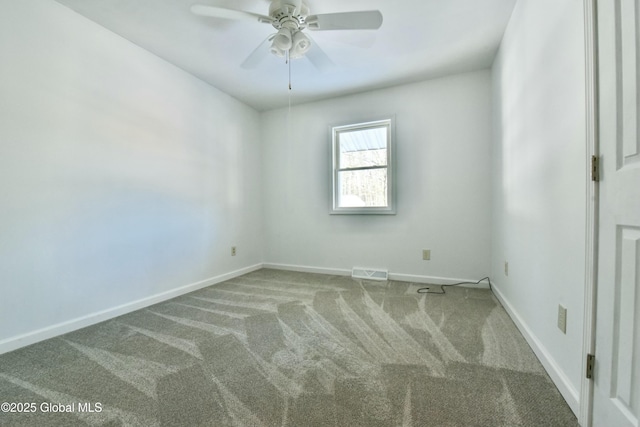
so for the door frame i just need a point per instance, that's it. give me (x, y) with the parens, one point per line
(592, 226)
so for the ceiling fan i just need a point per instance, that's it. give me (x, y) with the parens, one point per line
(290, 18)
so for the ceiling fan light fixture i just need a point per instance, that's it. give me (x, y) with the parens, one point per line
(300, 45)
(283, 40)
(275, 50)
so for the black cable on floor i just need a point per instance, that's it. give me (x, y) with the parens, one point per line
(426, 289)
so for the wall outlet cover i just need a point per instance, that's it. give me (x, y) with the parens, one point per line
(562, 319)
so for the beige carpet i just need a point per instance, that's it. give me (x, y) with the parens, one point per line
(276, 348)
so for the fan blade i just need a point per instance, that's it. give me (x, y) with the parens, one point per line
(365, 20)
(258, 55)
(318, 58)
(221, 12)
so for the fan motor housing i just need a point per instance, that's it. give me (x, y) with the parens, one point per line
(289, 14)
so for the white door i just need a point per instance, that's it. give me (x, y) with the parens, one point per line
(617, 369)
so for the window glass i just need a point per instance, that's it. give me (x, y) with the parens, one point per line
(363, 188)
(362, 174)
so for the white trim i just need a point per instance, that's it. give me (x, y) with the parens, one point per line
(392, 276)
(308, 269)
(561, 381)
(437, 280)
(29, 338)
(592, 149)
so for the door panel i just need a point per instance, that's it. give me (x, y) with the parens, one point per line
(617, 372)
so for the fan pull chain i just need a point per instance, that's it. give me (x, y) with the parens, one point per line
(289, 63)
(288, 59)
(289, 121)
(289, 115)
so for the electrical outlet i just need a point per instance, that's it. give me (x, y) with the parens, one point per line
(562, 319)
(426, 254)
(233, 251)
(506, 268)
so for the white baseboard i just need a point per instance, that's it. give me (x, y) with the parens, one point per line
(559, 378)
(24, 340)
(468, 283)
(392, 276)
(307, 269)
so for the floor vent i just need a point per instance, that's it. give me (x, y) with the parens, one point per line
(369, 274)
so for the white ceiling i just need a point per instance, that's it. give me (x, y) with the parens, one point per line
(419, 39)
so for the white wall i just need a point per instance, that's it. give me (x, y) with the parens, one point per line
(443, 132)
(121, 176)
(540, 180)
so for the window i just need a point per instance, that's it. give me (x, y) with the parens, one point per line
(362, 168)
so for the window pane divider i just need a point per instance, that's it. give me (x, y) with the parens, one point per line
(363, 168)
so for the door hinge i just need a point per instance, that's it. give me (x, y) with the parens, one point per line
(595, 168)
(591, 361)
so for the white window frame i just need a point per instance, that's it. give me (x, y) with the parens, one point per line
(390, 209)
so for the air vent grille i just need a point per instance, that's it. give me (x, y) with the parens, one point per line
(369, 274)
